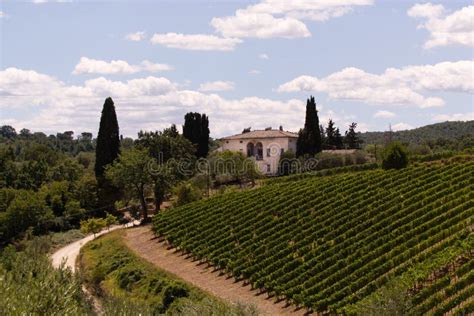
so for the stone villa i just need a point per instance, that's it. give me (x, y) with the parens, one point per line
(265, 146)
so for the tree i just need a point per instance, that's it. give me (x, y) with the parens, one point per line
(107, 150)
(7, 131)
(27, 209)
(309, 139)
(351, 139)
(330, 135)
(110, 220)
(131, 172)
(196, 130)
(92, 225)
(186, 193)
(170, 152)
(338, 139)
(395, 156)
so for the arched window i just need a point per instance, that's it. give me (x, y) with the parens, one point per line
(259, 150)
(250, 150)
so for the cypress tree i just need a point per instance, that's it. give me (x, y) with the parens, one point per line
(196, 130)
(310, 138)
(107, 150)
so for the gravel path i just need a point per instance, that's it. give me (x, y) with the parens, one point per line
(142, 241)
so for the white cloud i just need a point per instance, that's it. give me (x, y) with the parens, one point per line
(195, 41)
(401, 126)
(384, 114)
(3, 15)
(145, 103)
(217, 86)
(136, 37)
(276, 18)
(394, 86)
(94, 66)
(255, 72)
(445, 29)
(259, 25)
(263, 56)
(454, 117)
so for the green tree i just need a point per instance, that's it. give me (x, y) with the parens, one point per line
(352, 139)
(110, 220)
(395, 156)
(93, 225)
(107, 150)
(309, 139)
(131, 172)
(186, 193)
(85, 191)
(331, 135)
(27, 209)
(196, 130)
(170, 152)
(339, 140)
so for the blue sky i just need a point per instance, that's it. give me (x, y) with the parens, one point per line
(244, 63)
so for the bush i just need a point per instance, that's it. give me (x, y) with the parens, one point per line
(186, 193)
(395, 156)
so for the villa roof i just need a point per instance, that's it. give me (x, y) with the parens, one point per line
(273, 133)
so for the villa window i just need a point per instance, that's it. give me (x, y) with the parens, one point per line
(268, 152)
(259, 151)
(269, 168)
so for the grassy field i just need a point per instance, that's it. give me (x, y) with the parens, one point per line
(128, 284)
(334, 243)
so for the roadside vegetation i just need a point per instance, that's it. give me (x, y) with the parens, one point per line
(126, 283)
(29, 285)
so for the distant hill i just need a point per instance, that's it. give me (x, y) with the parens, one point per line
(445, 130)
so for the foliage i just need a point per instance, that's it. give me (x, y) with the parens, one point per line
(131, 172)
(351, 139)
(172, 154)
(93, 225)
(446, 135)
(107, 150)
(229, 167)
(110, 220)
(327, 243)
(27, 209)
(392, 300)
(395, 156)
(196, 130)
(29, 285)
(309, 138)
(186, 193)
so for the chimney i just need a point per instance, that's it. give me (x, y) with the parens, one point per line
(281, 128)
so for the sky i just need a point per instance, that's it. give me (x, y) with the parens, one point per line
(379, 63)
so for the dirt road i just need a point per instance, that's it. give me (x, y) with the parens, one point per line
(70, 252)
(141, 240)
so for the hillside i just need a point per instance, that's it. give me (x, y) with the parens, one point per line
(330, 243)
(445, 130)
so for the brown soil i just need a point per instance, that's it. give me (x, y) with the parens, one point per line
(142, 241)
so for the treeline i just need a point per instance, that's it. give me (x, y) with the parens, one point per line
(51, 183)
(447, 135)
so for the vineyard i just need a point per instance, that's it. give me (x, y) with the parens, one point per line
(329, 243)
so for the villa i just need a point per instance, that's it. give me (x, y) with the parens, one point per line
(266, 146)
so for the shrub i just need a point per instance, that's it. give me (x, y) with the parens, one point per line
(186, 193)
(395, 156)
